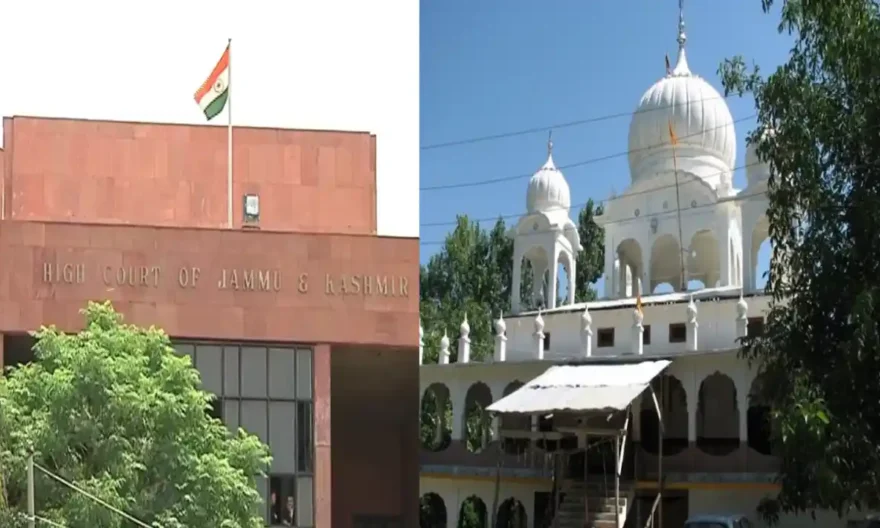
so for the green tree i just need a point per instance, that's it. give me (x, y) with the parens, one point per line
(115, 411)
(819, 356)
(591, 260)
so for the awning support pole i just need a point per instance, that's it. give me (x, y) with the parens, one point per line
(617, 481)
(660, 436)
(586, 478)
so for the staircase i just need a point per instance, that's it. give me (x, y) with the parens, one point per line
(600, 502)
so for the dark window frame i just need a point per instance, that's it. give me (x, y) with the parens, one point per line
(299, 403)
(755, 326)
(605, 337)
(646, 335)
(678, 333)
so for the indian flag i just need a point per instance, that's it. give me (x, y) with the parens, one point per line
(214, 92)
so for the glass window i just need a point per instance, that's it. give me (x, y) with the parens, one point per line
(253, 372)
(304, 374)
(230, 371)
(282, 419)
(304, 436)
(262, 489)
(282, 369)
(254, 418)
(304, 503)
(209, 362)
(216, 409)
(231, 415)
(185, 350)
(282, 500)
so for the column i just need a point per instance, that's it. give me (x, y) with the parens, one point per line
(550, 291)
(724, 257)
(321, 384)
(609, 268)
(748, 264)
(457, 394)
(515, 298)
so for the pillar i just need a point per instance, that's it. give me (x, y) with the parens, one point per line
(322, 482)
(515, 297)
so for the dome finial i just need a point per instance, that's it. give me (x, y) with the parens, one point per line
(682, 38)
(681, 66)
(550, 143)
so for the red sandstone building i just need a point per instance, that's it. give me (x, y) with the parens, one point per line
(301, 288)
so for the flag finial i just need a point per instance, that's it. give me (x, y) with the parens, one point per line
(682, 37)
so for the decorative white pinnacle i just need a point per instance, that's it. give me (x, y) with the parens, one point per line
(500, 325)
(586, 318)
(465, 328)
(444, 342)
(742, 308)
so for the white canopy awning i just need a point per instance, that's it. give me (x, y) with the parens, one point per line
(581, 388)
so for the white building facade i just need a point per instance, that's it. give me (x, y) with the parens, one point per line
(682, 224)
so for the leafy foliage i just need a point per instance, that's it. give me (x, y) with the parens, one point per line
(115, 411)
(820, 353)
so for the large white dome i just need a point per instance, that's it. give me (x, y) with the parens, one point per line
(698, 114)
(548, 191)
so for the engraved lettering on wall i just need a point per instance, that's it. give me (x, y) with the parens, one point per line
(131, 276)
(64, 273)
(249, 280)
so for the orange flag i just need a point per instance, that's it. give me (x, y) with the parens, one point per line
(639, 304)
(672, 137)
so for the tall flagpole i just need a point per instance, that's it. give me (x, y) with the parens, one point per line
(229, 140)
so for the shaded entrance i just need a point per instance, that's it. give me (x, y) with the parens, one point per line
(585, 412)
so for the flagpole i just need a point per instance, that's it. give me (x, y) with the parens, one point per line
(229, 140)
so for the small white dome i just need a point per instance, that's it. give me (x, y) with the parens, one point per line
(548, 190)
(698, 114)
(757, 170)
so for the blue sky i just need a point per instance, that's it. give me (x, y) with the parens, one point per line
(497, 67)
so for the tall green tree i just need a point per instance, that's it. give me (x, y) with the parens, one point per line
(115, 411)
(820, 354)
(591, 260)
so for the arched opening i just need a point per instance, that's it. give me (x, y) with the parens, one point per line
(717, 416)
(703, 262)
(630, 273)
(761, 252)
(758, 420)
(432, 511)
(673, 403)
(762, 264)
(565, 283)
(512, 514)
(534, 289)
(435, 428)
(477, 423)
(663, 287)
(473, 513)
(665, 262)
(515, 422)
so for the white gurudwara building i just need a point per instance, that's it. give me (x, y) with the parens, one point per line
(639, 397)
